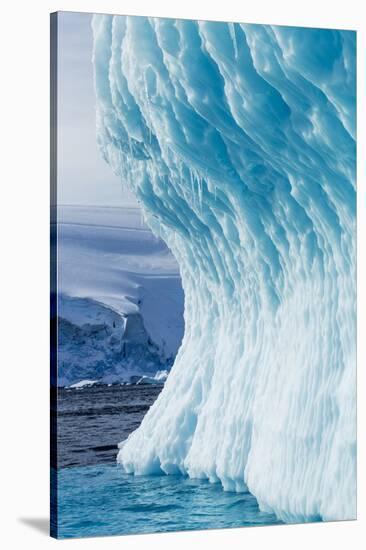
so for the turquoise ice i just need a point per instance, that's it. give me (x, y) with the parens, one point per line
(239, 142)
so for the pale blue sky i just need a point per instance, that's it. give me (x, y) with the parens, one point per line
(83, 176)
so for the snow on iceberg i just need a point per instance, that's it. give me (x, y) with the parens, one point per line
(239, 142)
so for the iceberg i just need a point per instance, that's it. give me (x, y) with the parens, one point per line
(239, 142)
(83, 384)
(158, 379)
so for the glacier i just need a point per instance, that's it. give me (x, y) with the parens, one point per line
(238, 140)
(120, 300)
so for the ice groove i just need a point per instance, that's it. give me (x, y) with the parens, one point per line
(238, 140)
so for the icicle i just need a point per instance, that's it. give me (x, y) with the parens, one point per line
(200, 190)
(148, 108)
(233, 38)
(191, 172)
(130, 145)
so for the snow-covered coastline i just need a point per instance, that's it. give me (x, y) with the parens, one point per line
(120, 301)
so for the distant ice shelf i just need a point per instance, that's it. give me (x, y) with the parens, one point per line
(120, 300)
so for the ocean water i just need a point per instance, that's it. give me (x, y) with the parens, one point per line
(102, 500)
(93, 420)
(94, 496)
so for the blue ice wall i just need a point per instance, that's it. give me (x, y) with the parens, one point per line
(239, 142)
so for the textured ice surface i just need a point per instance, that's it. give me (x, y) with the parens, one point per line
(239, 141)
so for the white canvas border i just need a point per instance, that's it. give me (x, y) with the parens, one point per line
(24, 32)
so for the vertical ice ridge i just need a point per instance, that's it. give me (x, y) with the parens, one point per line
(237, 140)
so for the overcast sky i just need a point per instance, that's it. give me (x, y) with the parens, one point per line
(83, 176)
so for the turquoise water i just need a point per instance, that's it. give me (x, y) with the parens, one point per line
(102, 500)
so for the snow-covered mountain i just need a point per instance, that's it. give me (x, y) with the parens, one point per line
(120, 300)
